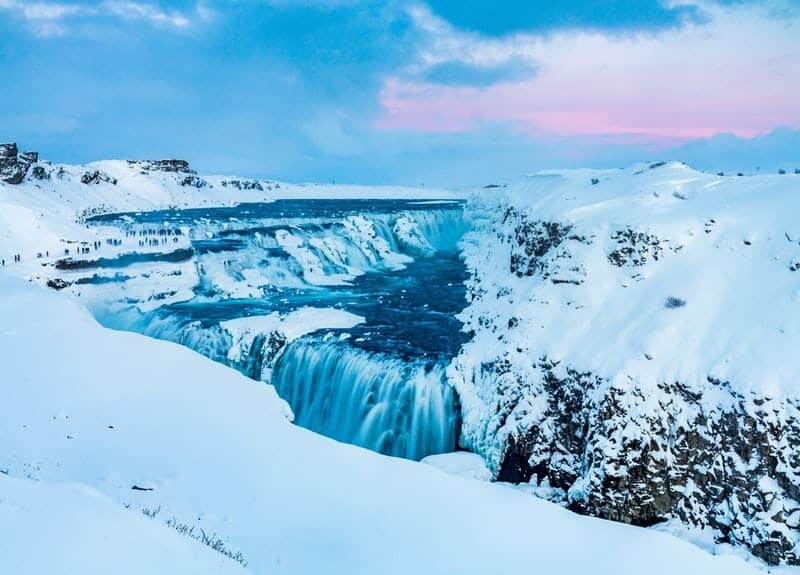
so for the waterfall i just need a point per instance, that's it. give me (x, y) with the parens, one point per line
(381, 384)
(384, 404)
(297, 254)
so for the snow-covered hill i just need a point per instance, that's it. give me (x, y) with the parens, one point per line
(635, 347)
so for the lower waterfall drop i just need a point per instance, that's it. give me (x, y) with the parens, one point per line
(370, 400)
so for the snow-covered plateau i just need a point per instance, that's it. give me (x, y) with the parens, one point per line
(627, 352)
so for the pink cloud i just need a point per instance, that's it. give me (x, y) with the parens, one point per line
(738, 74)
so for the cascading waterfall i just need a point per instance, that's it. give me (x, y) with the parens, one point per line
(383, 404)
(301, 253)
(380, 385)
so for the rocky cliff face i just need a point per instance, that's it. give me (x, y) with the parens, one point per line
(14, 166)
(632, 359)
(175, 166)
(187, 177)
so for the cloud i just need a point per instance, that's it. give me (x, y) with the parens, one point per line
(53, 18)
(146, 12)
(679, 84)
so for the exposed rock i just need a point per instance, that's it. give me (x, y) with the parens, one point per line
(29, 157)
(635, 249)
(13, 165)
(243, 184)
(194, 181)
(531, 239)
(92, 211)
(729, 468)
(8, 151)
(177, 166)
(261, 357)
(96, 177)
(40, 173)
(58, 283)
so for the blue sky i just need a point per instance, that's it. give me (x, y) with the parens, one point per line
(445, 92)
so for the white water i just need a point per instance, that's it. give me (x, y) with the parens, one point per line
(384, 404)
(330, 253)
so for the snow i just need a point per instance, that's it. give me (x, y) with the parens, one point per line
(461, 464)
(63, 528)
(727, 247)
(103, 411)
(88, 413)
(42, 215)
(294, 324)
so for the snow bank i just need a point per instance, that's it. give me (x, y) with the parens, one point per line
(294, 324)
(462, 464)
(112, 411)
(58, 528)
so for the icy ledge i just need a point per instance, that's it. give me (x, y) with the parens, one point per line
(635, 348)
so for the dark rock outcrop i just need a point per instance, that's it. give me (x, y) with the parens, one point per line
(243, 184)
(193, 181)
(532, 239)
(635, 248)
(264, 351)
(611, 454)
(40, 173)
(96, 177)
(29, 157)
(8, 151)
(170, 165)
(13, 165)
(58, 283)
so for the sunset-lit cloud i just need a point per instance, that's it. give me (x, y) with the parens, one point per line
(736, 71)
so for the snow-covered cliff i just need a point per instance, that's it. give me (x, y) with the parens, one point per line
(634, 349)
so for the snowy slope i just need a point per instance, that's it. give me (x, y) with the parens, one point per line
(43, 213)
(635, 347)
(68, 529)
(110, 411)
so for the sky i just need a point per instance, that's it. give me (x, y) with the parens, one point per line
(443, 92)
